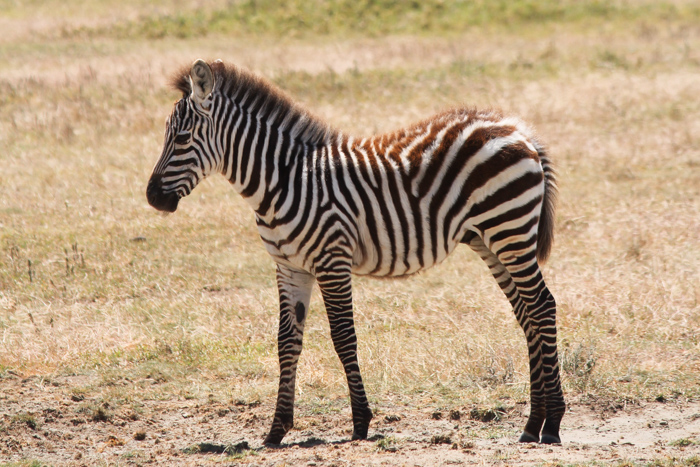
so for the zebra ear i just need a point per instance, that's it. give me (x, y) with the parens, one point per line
(202, 80)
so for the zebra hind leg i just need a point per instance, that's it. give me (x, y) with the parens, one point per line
(540, 310)
(538, 410)
(295, 293)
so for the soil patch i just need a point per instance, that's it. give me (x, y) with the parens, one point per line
(41, 420)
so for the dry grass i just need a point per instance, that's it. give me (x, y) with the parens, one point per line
(93, 281)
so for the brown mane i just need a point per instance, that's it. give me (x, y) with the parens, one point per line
(180, 81)
(268, 99)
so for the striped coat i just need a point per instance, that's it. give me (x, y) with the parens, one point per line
(328, 205)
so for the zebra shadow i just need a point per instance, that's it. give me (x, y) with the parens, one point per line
(314, 441)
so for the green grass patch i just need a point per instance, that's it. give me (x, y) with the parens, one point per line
(96, 412)
(351, 18)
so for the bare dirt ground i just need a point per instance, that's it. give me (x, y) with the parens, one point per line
(44, 420)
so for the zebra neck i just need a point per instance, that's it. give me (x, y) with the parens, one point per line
(265, 148)
(267, 165)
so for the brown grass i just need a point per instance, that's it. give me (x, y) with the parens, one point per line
(194, 305)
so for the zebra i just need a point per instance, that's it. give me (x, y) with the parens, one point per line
(329, 205)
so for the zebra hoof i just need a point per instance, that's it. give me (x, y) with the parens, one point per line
(360, 422)
(274, 437)
(550, 439)
(360, 432)
(528, 438)
(281, 424)
(273, 440)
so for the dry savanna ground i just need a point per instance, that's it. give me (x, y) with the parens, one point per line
(131, 338)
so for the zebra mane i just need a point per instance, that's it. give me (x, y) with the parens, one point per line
(180, 81)
(268, 100)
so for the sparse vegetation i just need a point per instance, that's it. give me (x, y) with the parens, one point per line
(204, 448)
(26, 419)
(388, 444)
(138, 309)
(96, 412)
(683, 442)
(487, 414)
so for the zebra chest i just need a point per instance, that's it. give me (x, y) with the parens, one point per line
(297, 245)
(283, 248)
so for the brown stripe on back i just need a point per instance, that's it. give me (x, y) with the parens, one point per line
(438, 156)
(415, 157)
(369, 149)
(481, 136)
(398, 140)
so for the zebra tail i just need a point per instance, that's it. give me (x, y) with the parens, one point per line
(545, 230)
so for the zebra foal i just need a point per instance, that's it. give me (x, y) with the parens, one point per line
(328, 205)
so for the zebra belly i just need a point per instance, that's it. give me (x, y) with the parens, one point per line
(397, 258)
(378, 247)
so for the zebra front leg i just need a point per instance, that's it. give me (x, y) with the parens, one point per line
(295, 292)
(337, 296)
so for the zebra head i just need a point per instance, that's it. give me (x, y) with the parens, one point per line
(187, 157)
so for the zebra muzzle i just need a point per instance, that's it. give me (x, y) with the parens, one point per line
(157, 198)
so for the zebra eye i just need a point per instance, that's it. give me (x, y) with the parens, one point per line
(182, 138)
